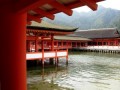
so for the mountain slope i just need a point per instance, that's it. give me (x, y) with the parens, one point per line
(102, 18)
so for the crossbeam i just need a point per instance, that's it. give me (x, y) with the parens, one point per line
(90, 3)
(44, 13)
(61, 8)
(30, 17)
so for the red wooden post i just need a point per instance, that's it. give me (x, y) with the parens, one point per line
(76, 44)
(71, 44)
(13, 49)
(108, 43)
(102, 43)
(117, 42)
(62, 44)
(67, 56)
(80, 44)
(67, 45)
(52, 49)
(36, 45)
(56, 61)
(52, 42)
(96, 43)
(57, 44)
(42, 47)
(28, 45)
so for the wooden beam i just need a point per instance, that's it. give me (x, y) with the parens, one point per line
(44, 13)
(75, 4)
(61, 8)
(90, 3)
(30, 17)
(26, 5)
(36, 45)
(52, 42)
(70, 6)
(31, 38)
(29, 22)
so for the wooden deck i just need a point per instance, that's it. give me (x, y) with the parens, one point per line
(109, 49)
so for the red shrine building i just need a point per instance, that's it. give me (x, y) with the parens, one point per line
(14, 17)
(49, 42)
(41, 44)
(101, 39)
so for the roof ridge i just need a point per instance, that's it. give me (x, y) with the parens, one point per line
(100, 29)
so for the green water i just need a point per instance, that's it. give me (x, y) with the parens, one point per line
(85, 71)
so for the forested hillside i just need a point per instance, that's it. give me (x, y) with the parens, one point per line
(102, 18)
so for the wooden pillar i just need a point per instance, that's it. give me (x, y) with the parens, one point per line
(36, 50)
(36, 45)
(76, 44)
(67, 57)
(62, 44)
(42, 47)
(52, 49)
(13, 50)
(102, 43)
(57, 45)
(67, 44)
(117, 42)
(80, 44)
(52, 42)
(56, 58)
(57, 51)
(28, 45)
(96, 43)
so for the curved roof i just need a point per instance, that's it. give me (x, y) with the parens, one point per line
(48, 26)
(71, 38)
(98, 33)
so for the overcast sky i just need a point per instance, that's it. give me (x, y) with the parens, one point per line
(115, 4)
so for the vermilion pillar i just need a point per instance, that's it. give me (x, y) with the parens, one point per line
(52, 42)
(52, 49)
(12, 50)
(36, 45)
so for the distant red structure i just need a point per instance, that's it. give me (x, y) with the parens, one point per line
(101, 39)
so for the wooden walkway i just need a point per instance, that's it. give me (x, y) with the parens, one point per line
(111, 49)
(48, 54)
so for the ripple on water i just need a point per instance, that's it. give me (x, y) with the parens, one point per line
(93, 71)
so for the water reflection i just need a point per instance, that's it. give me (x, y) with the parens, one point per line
(93, 71)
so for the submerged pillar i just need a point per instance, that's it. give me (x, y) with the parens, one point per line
(67, 57)
(51, 60)
(42, 47)
(13, 50)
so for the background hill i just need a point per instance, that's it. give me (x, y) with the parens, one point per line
(102, 18)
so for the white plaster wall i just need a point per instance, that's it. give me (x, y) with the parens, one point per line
(49, 54)
(33, 56)
(46, 55)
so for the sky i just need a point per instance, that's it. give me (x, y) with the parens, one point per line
(115, 4)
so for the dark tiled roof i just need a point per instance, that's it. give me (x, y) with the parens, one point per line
(70, 38)
(98, 33)
(51, 27)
